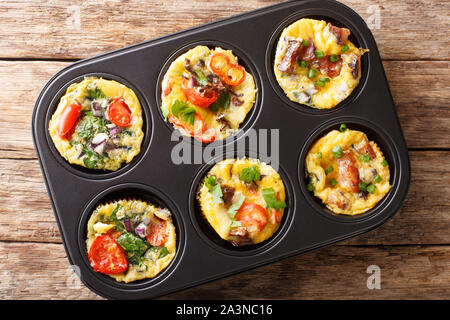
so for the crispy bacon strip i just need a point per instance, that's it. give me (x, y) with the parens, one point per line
(332, 69)
(341, 34)
(348, 172)
(364, 147)
(287, 63)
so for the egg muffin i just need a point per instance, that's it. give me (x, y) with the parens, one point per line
(243, 200)
(315, 63)
(347, 171)
(130, 240)
(98, 124)
(206, 94)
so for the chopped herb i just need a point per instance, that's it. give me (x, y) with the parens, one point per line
(309, 187)
(222, 102)
(164, 252)
(91, 159)
(337, 151)
(305, 43)
(113, 216)
(133, 246)
(95, 94)
(250, 174)
(333, 182)
(371, 188)
(377, 179)
(324, 79)
(235, 224)
(89, 126)
(334, 58)
(364, 158)
(319, 155)
(329, 169)
(319, 54)
(384, 163)
(214, 188)
(303, 64)
(235, 207)
(343, 127)
(319, 84)
(201, 78)
(271, 200)
(312, 73)
(345, 48)
(181, 109)
(362, 186)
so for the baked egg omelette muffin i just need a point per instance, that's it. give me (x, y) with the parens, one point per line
(206, 94)
(243, 200)
(130, 240)
(315, 63)
(347, 171)
(97, 124)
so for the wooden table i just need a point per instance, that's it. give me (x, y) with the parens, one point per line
(412, 250)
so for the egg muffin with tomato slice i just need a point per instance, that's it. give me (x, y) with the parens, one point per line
(347, 171)
(130, 240)
(98, 124)
(315, 63)
(206, 94)
(243, 200)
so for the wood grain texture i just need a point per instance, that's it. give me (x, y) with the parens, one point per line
(406, 30)
(424, 114)
(26, 214)
(412, 272)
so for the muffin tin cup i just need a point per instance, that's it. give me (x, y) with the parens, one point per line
(153, 176)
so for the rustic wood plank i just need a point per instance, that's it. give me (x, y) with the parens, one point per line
(404, 30)
(424, 114)
(411, 272)
(26, 213)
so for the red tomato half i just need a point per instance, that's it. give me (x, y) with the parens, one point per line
(68, 119)
(196, 98)
(157, 233)
(107, 256)
(252, 216)
(119, 113)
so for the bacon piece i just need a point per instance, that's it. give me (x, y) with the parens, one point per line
(307, 53)
(348, 172)
(355, 65)
(332, 69)
(341, 34)
(364, 147)
(338, 199)
(227, 194)
(287, 63)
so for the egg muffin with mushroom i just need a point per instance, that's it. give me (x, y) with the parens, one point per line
(315, 63)
(206, 93)
(243, 200)
(97, 124)
(130, 240)
(347, 171)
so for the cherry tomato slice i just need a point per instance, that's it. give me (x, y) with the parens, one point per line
(219, 63)
(107, 256)
(157, 233)
(277, 216)
(194, 97)
(119, 113)
(235, 75)
(252, 216)
(68, 118)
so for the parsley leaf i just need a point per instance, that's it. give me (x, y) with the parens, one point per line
(91, 158)
(222, 102)
(181, 109)
(271, 200)
(164, 252)
(133, 246)
(214, 188)
(95, 94)
(235, 207)
(250, 174)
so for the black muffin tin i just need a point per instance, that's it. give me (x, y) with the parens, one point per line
(201, 255)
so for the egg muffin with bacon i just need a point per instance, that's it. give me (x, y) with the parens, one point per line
(98, 124)
(243, 200)
(347, 171)
(130, 240)
(206, 93)
(315, 63)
